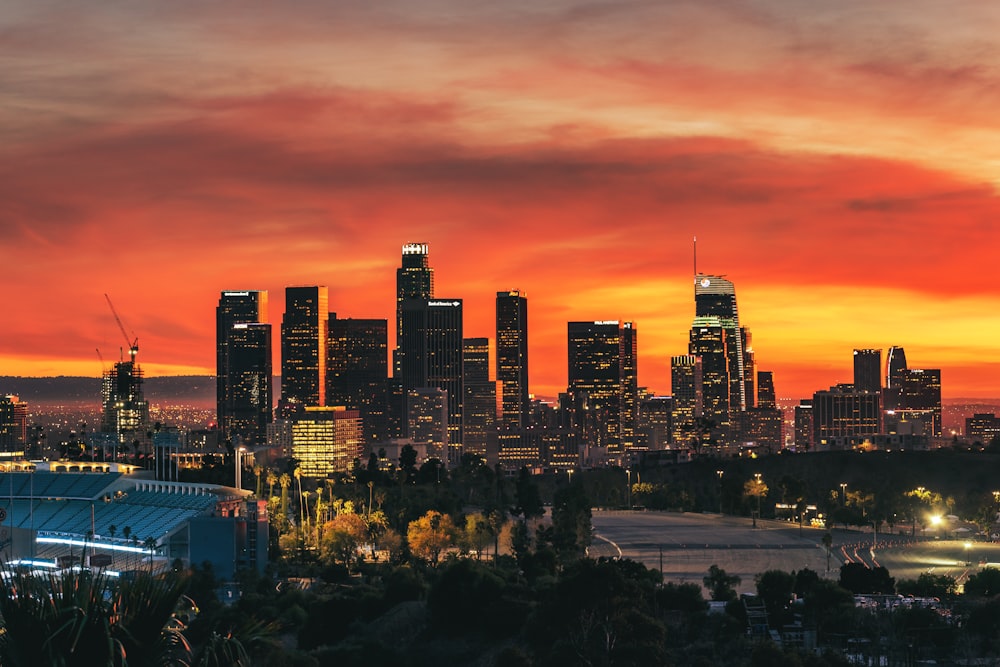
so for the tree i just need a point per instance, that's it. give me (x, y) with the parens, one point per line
(342, 536)
(285, 481)
(721, 586)
(985, 583)
(755, 488)
(476, 534)
(828, 543)
(858, 578)
(775, 588)
(529, 499)
(431, 534)
(571, 521)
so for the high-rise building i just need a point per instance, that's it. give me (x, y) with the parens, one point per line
(715, 296)
(479, 410)
(303, 348)
(708, 342)
(235, 307)
(653, 426)
(602, 365)
(357, 371)
(982, 427)
(895, 369)
(427, 420)
(247, 409)
(868, 370)
(125, 413)
(804, 427)
(325, 439)
(843, 412)
(687, 386)
(765, 390)
(512, 357)
(414, 280)
(13, 425)
(921, 399)
(430, 356)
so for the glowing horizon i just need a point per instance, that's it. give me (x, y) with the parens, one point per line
(836, 163)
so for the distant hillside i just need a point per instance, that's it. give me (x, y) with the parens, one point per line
(184, 389)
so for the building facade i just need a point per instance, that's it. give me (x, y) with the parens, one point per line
(304, 348)
(357, 371)
(512, 357)
(235, 307)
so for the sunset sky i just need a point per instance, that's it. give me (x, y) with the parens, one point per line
(838, 161)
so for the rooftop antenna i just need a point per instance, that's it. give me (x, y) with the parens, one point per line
(696, 260)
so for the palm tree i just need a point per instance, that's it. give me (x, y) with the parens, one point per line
(272, 479)
(81, 618)
(150, 545)
(285, 481)
(258, 472)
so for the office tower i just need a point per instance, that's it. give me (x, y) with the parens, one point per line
(414, 280)
(326, 439)
(357, 371)
(804, 427)
(843, 412)
(427, 420)
(921, 399)
(982, 427)
(687, 385)
(895, 369)
(715, 299)
(868, 370)
(235, 307)
(765, 390)
(125, 413)
(479, 410)
(708, 342)
(246, 411)
(654, 422)
(303, 348)
(13, 425)
(602, 365)
(430, 356)
(512, 357)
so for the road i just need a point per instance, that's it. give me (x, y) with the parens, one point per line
(683, 546)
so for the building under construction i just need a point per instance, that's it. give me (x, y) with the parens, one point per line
(125, 412)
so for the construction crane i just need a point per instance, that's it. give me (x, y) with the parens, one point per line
(133, 344)
(100, 356)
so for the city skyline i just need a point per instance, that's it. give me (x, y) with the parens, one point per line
(836, 163)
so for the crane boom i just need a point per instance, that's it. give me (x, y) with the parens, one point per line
(133, 344)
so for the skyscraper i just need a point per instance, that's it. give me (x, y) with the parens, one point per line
(430, 356)
(304, 348)
(602, 365)
(868, 370)
(235, 307)
(479, 410)
(125, 411)
(895, 369)
(248, 406)
(414, 280)
(325, 440)
(686, 385)
(13, 425)
(512, 357)
(357, 371)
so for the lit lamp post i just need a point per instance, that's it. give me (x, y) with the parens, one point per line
(843, 494)
(757, 488)
(719, 473)
(628, 474)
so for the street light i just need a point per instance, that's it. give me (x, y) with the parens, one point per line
(629, 474)
(719, 473)
(757, 489)
(843, 493)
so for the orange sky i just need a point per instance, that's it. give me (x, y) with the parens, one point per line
(837, 162)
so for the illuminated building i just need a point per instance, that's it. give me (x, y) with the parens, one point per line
(414, 280)
(868, 370)
(715, 297)
(708, 342)
(921, 399)
(804, 431)
(479, 410)
(326, 439)
(357, 370)
(601, 356)
(248, 407)
(235, 307)
(982, 427)
(303, 348)
(687, 386)
(430, 356)
(13, 425)
(653, 426)
(512, 357)
(427, 420)
(843, 412)
(763, 423)
(125, 413)
(895, 369)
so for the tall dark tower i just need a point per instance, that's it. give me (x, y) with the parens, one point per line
(414, 280)
(303, 348)
(714, 296)
(512, 357)
(357, 371)
(247, 410)
(479, 409)
(601, 365)
(235, 307)
(430, 356)
(895, 372)
(868, 371)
